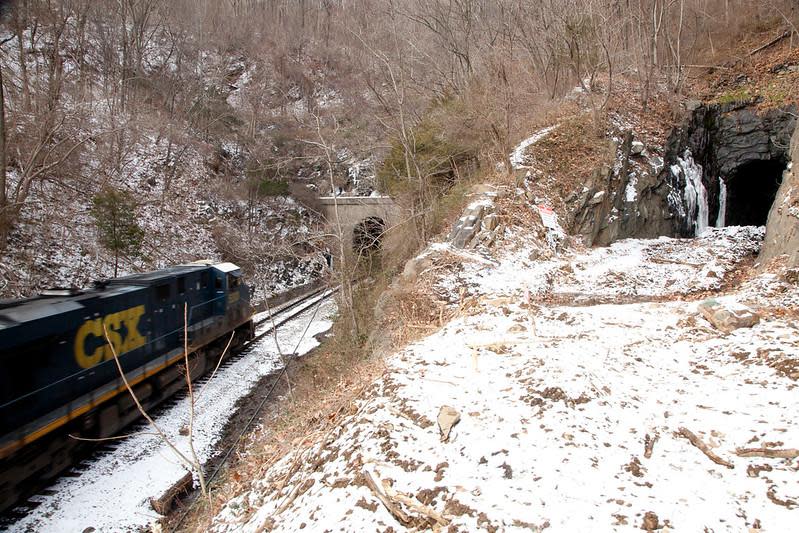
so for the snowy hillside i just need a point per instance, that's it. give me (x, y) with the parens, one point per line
(207, 139)
(193, 216)
(575, 383)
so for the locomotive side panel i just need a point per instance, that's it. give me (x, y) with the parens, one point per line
(61, 361)
(58, 374)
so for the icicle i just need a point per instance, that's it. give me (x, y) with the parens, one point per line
(694, 194)
(721, 219)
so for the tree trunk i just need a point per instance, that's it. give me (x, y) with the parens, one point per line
(23, 63)
(3, 185)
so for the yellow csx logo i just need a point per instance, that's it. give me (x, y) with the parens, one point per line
(91, 333)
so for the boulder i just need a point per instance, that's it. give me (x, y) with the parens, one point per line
(637, 148)
(597, 198)
(728, 317)
(467, 226)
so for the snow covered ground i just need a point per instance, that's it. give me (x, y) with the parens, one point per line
(112, 493)
(628, 268)
(561, 372)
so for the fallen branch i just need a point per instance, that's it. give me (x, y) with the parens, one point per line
(395, 511)
(696, 441)
(416, 506)
(771, 494)
(299, 490)
(649, 445)
(674, 262)
(785, 35)
(771, 453)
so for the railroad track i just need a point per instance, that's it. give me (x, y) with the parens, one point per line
(266, 323)
(291, 306)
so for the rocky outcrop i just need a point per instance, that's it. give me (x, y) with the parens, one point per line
(478, 224)
(644, 196)
(469, 224)
(721, 140)
(626, 200)
(782, 230)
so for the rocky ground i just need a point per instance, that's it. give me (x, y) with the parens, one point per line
(581, 391)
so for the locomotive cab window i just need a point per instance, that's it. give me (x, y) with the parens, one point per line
(181, 285)
(232, 283)
(203, 280)
(162, 293)
(218, 284)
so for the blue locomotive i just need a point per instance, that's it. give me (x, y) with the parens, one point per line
(58, 375)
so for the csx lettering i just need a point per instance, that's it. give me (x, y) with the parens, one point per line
(93, 331)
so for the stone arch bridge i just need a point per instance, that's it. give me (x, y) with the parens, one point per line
(366, 221)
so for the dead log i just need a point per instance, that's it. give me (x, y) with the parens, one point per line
(771, 453)
(164, 504)
(665, 261)
(696, 441)
(785, 35)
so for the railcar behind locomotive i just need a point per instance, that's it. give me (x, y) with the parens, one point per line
(58, 376)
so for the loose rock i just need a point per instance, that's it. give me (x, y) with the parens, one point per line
(447, 418)
(651, 521)
(728, 317)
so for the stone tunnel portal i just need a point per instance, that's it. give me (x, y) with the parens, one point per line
(372, 227)
(751, 190)
(367, 236)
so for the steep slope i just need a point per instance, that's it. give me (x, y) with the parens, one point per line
(576, 381)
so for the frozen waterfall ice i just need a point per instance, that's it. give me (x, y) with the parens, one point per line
(721, 218)
(694, 194)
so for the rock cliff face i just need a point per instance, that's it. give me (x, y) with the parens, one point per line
(625, 200)
(782, 231)
(739, 152)
(723, 166)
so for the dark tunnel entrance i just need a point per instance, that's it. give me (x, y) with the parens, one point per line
(366, 238)
(751, 190)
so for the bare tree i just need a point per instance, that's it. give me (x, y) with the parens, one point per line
(346, 268)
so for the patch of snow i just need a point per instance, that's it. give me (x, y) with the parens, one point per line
(631, 192)
(518, 157)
